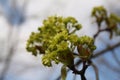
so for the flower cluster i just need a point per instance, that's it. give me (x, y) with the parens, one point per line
(85, 47)
(112, 21)
(56, 41)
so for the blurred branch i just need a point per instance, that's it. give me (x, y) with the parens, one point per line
(7, 63)
(25, 4)
(115, 57)
(96, 71)
(12, 39)
(106, 50)
(109, 66)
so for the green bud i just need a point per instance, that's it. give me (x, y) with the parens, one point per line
(46, 61)
(78, 26)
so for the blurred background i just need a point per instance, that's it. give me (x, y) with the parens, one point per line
(18, 18)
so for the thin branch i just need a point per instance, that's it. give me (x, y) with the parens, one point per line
(115, 57)
(83, 71)
(96, 71)
(106, 50)
(101, 30)
(109, 66)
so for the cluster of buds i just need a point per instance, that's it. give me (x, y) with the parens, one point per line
(111, 21)
(85, 47)
(56, 41)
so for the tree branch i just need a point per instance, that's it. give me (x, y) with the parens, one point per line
(96, 71)
(106, 50)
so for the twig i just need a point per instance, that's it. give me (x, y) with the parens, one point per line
(83, 71)
(96, 71)
(109, 66)
(106, 50)
(101, 30)
(115, 57)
